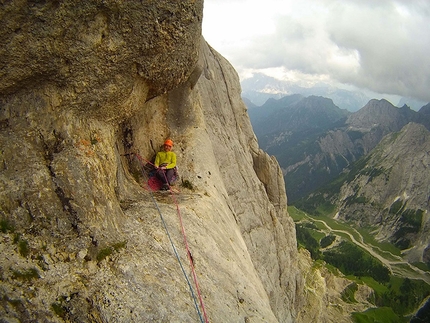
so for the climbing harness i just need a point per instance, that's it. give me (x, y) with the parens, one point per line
(204, 318)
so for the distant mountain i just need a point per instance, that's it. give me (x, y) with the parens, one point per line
(268, 118)
(283, 120)
(413, 103)
(382, 114)
(388, 191)
(249, 104)
(290, 131)
(259, 88)
(425, 109)
(314, 141)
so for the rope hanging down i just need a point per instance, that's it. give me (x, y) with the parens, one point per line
(179, 259)
(141, 160)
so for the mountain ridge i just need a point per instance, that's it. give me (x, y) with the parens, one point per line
(260, 87)
(374, 159)
(318, 155)
(383, 113)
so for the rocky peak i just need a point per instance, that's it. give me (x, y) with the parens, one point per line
(381, 114)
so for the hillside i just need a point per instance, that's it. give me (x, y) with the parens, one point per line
(425, 109)
(391, 193)
(386, 192)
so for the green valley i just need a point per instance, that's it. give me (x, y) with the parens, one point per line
(399, 287)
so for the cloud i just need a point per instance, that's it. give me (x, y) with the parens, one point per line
(392, 46)
(382, 46)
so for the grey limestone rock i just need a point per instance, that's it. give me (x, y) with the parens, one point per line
(84, 87)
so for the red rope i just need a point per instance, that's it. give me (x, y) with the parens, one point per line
(190, 257)
(185, 242)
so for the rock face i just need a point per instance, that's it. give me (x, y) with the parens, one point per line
(98, 56)
(84, 87)
(391, 193)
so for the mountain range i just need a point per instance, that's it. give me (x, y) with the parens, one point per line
(368, 167)
(314, 140)
(260, 87)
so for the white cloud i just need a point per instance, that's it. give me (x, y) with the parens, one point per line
(379, 45)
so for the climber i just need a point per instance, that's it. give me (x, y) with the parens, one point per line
(165, 163)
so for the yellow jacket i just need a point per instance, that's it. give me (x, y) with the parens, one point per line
(165, 157)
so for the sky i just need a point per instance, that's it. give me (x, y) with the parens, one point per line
(378, 46)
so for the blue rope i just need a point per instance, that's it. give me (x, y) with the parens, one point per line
(174, 248)
(177, 257)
